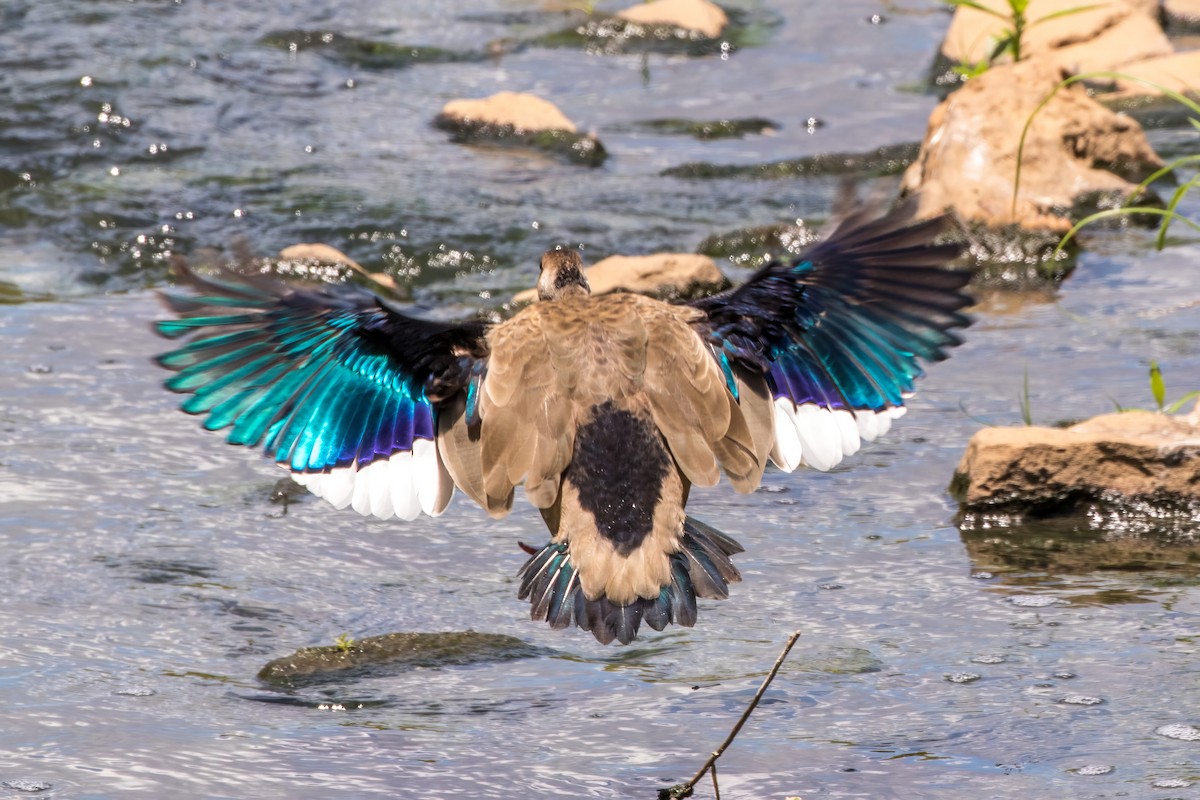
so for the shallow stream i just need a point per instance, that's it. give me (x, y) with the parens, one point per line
(146, 576)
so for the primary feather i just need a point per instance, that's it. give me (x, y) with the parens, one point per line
(607, 409)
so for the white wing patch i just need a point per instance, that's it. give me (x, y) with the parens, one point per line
(402, 485)
(822, 437)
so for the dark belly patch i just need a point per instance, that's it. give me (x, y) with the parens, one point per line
(618, 468)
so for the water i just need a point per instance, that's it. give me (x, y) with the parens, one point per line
(147, 576)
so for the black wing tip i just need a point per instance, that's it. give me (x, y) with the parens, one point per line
(701, 569)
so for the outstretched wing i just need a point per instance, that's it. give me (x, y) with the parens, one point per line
(334, 383)
(839, 332)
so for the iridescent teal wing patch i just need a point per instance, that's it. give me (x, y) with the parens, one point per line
(846, 325)
(841, 331)
(320, 379)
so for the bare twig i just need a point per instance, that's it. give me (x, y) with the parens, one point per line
(685, 789)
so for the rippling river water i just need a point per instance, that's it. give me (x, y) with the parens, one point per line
(145, 576)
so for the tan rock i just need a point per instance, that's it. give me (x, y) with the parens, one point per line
(1116, 32)
(1151, 8)
(316, 254)
(1179, 72)
(1132, 455)
(1134, 38)
(316, 251)
(693, 15)
(968, 159)
(523, 112)
(1187, 11)
(653, 274)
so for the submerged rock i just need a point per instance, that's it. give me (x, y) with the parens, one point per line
(834, 659)
(887, 160)
(1081, 544)
(1116, 470)
(1075, 150)
(754, 247)
(523, 120)
(1012, 259)
(712, 129)
(363, 52)
(664, 275)
(391, 653)
(701, 16)
(671, 27)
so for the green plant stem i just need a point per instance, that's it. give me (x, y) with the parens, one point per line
(1161, 241)
(1158, 173)
(1178, 404)
(1119, 212)
(1026, 406)
(1158, 389)
(1083, 76)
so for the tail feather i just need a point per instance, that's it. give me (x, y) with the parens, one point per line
(550, 581)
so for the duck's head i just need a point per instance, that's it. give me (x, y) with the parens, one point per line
(562, 275)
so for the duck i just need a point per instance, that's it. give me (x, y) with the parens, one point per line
(607, 409)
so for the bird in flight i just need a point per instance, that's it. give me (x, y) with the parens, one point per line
(608, 409)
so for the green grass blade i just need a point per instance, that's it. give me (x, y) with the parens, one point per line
(1116, 212)
(1026, 406)
(1161, 241)
(1158, 173)
(1084, 76)
(1182, 99)
(1065, 12)
(978, 7)
(1181, 402)
(1157, 387)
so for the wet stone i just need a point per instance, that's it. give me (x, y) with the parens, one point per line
(601, 34)
(134, 691)
(1036, 600)
(392, 653)
(1015, 259)
(1127, 479)
(755, 246)
(1064, 675)
(836, 660)
(883, 161)
(1093, 769)
(363, 52)
(1180, 731)
(711, 129)
(963, 677)
(1081, 700)
(25, 785)
(1171, 783)
(988, 659)
(700, 16)
(575, 148)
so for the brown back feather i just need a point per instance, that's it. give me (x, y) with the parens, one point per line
(551, 365)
